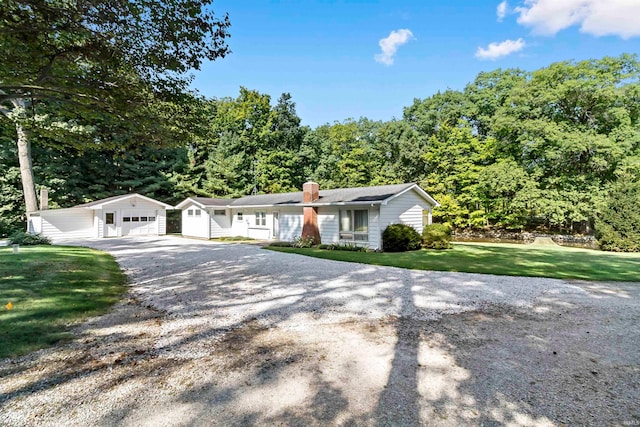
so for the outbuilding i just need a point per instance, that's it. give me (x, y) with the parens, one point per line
(125, 215)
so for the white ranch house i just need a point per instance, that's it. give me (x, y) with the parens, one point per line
(126, 215)
(347, 215)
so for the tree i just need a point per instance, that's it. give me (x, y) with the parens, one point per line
(65, 61)
(618, 225)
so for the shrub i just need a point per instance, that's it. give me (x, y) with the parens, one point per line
(618, 225)
(436, 236)
(28, 239)
(280, 244)
(400, 238)
(303, 242)
(351, 247)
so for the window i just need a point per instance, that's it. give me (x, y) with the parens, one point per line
(109, 218)
(219, 212)
(239, 216)
(198, 212)
(190, 212)
(261, 218)
(354, 225)
(126, 219)
(135, 219)
(152, 218)
(143, 218)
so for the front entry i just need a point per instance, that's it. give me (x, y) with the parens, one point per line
(110, 229)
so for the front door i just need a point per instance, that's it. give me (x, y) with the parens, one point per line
(276, 225)
(110, 224)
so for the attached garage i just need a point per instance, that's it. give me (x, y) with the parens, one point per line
(126, 215)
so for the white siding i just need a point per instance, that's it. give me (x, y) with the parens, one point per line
(328, 224)
(220, 225)
(98, 224)
(239, 227)
(405, 209)
(291, 221)
(161, 218)
(34, 224)
(195, 225)
(70, 223)
(375, 235)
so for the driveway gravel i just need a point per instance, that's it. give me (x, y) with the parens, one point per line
(217, 333)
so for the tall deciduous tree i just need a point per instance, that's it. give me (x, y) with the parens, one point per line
(64, 61)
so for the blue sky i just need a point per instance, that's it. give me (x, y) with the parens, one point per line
(328, 54)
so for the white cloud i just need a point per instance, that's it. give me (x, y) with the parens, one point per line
(501, 10)
(596, 17)
(497, 50)
(390, 45)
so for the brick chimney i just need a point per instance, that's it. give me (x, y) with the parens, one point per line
(310, 194)
(44, 199)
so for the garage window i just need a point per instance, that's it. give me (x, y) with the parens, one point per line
(126, 219)
(135, 219)
(143, 218)
(152, 218)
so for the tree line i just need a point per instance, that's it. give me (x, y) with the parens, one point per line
(549, 149)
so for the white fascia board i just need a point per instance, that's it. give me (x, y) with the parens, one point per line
(418, 190)
(188, 201)
(129, 196)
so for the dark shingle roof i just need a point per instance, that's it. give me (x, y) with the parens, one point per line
(207, 201)
(341, 195)
(101, 201)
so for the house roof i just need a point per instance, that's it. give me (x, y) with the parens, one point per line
(204, 202)
(379, 194)
(98, 204)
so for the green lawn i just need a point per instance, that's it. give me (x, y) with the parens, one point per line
(502, 259)
(52, 288)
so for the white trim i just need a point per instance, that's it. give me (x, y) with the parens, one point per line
(419, 190)
(187, 201)
(126, 197)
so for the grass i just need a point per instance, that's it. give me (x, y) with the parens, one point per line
(501, 259)
(52, 288)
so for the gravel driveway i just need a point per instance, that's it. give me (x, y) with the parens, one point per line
(232, 334)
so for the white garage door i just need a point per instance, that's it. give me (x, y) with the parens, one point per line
(138, 223)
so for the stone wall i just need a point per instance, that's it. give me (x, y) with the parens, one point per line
(523, 237)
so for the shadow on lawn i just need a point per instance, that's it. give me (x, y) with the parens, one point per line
(242, 342)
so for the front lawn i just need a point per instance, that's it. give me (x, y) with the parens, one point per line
(502, 259)
(51, 289)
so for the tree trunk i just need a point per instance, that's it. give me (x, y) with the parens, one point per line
(26, 169)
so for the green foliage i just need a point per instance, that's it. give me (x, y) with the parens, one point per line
(436, 236)
(349, 247)
(28, 239)
(400, 238)
(281, 244)
(501, 259)
(618, 225)
(52, 289)
(303, 242)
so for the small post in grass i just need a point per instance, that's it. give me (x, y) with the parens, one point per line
(16, 248)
